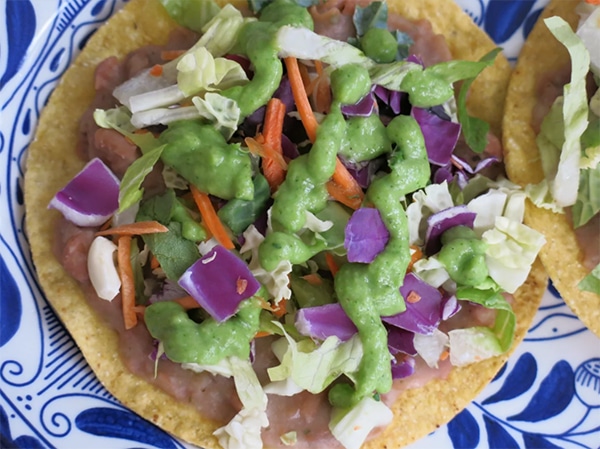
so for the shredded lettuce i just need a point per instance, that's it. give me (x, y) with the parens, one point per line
(276, 281)
(472, 345)
(474, 129)
(192, 14)
(243, 431)
(312, 367)
(575, 113)
(131, 191)
(430, 347)
(588, 196)
(374, 15)
(119, 119)
(512, 248)
(591, 282)
(352, 426)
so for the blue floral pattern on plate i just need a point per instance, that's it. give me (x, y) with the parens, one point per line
(546, 396)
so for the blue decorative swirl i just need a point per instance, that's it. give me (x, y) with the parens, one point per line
(20, 28)
(11, 308)
(536, 441)
(530, 22)
(518, 381)
(112, 422)
(463, 430)
(7, 441)
(497, 435)
(555, 393)
(504, 17)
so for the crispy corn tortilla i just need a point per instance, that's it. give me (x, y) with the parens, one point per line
(561, 255)
(52, 161)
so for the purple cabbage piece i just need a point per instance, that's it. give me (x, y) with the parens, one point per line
(416, 59)
(219, 281)
(363, 108)
(450, 306)
(289, 148)
(284, 93)
(403, 368)
(392, 98)
(440, 222)
(91, 197)
(440, 135)
(324, 321)
(401, 341)
(484, 163)
(365, 235)
(422, 316)
(364, 171)
(443, 174)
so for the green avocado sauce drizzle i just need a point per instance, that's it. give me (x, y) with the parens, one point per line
(365, 291)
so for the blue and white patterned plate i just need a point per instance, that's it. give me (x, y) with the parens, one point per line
(546, 396)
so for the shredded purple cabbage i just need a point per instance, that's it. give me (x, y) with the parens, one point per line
(91, 197)
(440, 135)
(365, 236)
(364, 171)
(363, 108)
(219, 281)
(401, 341)
(422, 316)
(392, 98)
(324, 321)
(450, 306)
(440, 222)
(403, 368)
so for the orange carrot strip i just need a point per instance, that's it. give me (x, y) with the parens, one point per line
(302, 104)
(331, 263)
(154, 263)
(319, 67)
(280, 309)
(156, 70)
(313, 279)
(127, 282)
(139, 228)
(416, 255)
(342, 195)
(344, 188)
(187, 302)
(273, 171)
(210, 217)
(169, 55)
(305, 76)
(106, 224)
(255, 146)
(261, 334)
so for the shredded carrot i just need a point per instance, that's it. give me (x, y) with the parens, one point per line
(261, 334)
(273, 171)
(331, 263)
(444, 355)
(154, 263)
(106, 224)
(305, 77)
(169, 55)
(417, 254)
(313, 279)
(319, 67)
(344, 188)
(343, 196)
(127, 282)
(593, 2)
(156, 70)
(302, 104)
(255, 146)
(210, 217)
(187, 302)
(139, 228)
(280, 309)
(323, 95)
